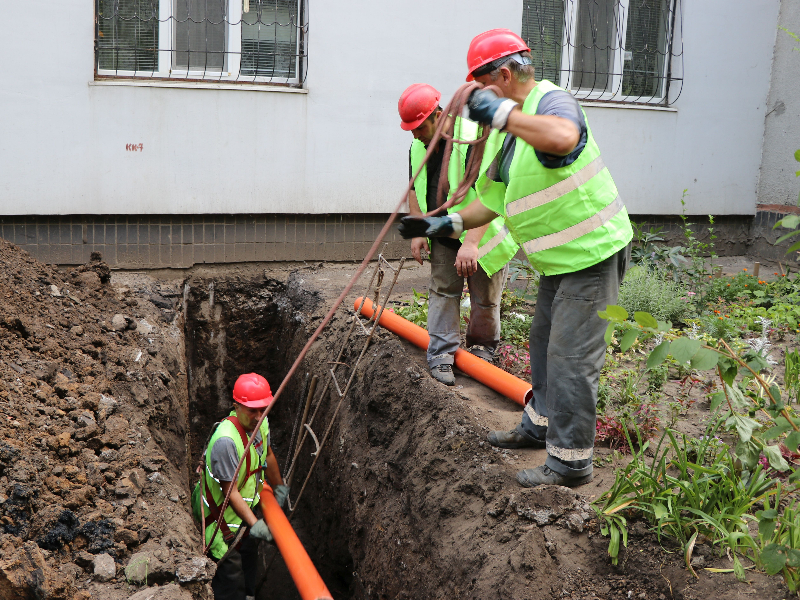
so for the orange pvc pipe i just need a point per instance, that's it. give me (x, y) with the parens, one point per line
(505, 383)
(302, 570)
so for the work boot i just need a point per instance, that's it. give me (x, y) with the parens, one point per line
(544, 475)
(513, 439)
(483, 352)
(443, 373)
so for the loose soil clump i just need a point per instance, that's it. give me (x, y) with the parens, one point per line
(93, 429)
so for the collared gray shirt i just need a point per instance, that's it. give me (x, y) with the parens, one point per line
(224, 456)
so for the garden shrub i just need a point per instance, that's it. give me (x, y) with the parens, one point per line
(648, 291)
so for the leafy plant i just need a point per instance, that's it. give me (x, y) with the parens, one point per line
(700, 254)
(417, 311)
(649, 291)
(693, 488)
(522, 269)
(791, 376)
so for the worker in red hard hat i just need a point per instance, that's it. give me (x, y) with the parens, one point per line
(235, 576)
(480, 255)
(558, 199)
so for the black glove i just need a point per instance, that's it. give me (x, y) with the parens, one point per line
(487, 108)
(414, 227)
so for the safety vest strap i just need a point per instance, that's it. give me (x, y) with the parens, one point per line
(213, 507)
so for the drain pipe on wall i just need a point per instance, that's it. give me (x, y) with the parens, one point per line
(500, 381)
(302, 570)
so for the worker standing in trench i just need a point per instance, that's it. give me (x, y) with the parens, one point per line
(235, 575)
(561, 205)
(480, 255)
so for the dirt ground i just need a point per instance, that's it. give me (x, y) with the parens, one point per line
(407, 501)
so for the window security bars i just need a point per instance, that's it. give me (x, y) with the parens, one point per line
(608, 50)
(247, 41)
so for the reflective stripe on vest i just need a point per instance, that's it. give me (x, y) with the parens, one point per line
(497, 246)
(578, 230)
(573, 182)
(568, 218)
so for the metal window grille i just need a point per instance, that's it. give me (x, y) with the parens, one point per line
(608, 50)
(248, 41)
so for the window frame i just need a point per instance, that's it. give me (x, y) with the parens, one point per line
(230, 73)
(567, 69)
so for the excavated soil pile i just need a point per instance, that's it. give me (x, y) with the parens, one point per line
(92, 429)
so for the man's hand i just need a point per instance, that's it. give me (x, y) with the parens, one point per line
(486, 108)
(260, 531)
(467, 260)
(418, 246)
(414, 227)
(281, 492)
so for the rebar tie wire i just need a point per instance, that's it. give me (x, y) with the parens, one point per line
(454, 108)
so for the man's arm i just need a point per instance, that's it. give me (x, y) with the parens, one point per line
(418, 244)
(477, 215)
(238, 504)
(547, 133)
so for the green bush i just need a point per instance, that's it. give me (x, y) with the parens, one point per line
(648, 291)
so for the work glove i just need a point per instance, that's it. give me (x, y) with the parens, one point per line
(413, 227)
(260, 531)
(281, 493)
(487, 108)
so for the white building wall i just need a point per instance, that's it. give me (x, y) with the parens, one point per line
(777, 181)
(338, 148)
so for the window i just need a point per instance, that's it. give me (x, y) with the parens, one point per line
(252, 41)
(616, 50)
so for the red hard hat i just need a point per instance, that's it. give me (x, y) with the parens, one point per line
(252, 390)
(491, 45)
(416, 104)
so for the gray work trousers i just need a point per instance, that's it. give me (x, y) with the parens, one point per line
(567, 352)
(444, 299)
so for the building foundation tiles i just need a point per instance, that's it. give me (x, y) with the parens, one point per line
(250, 231)
(207, 236)
(177, 256)
(110, 233)
(162, 255)
(197, 233)
(280, 231)
(19, 235)
(218, 256)
(79, 254)
(291, 231)
(61, 254)
(219, 233)
(270, 229)
(229, 232)
(187, 234)
(260, 233)
(240, 233)
(165, 235)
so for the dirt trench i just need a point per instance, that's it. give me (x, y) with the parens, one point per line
(107, 395)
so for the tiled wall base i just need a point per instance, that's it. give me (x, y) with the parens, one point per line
(180, 241)
(164, 241)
